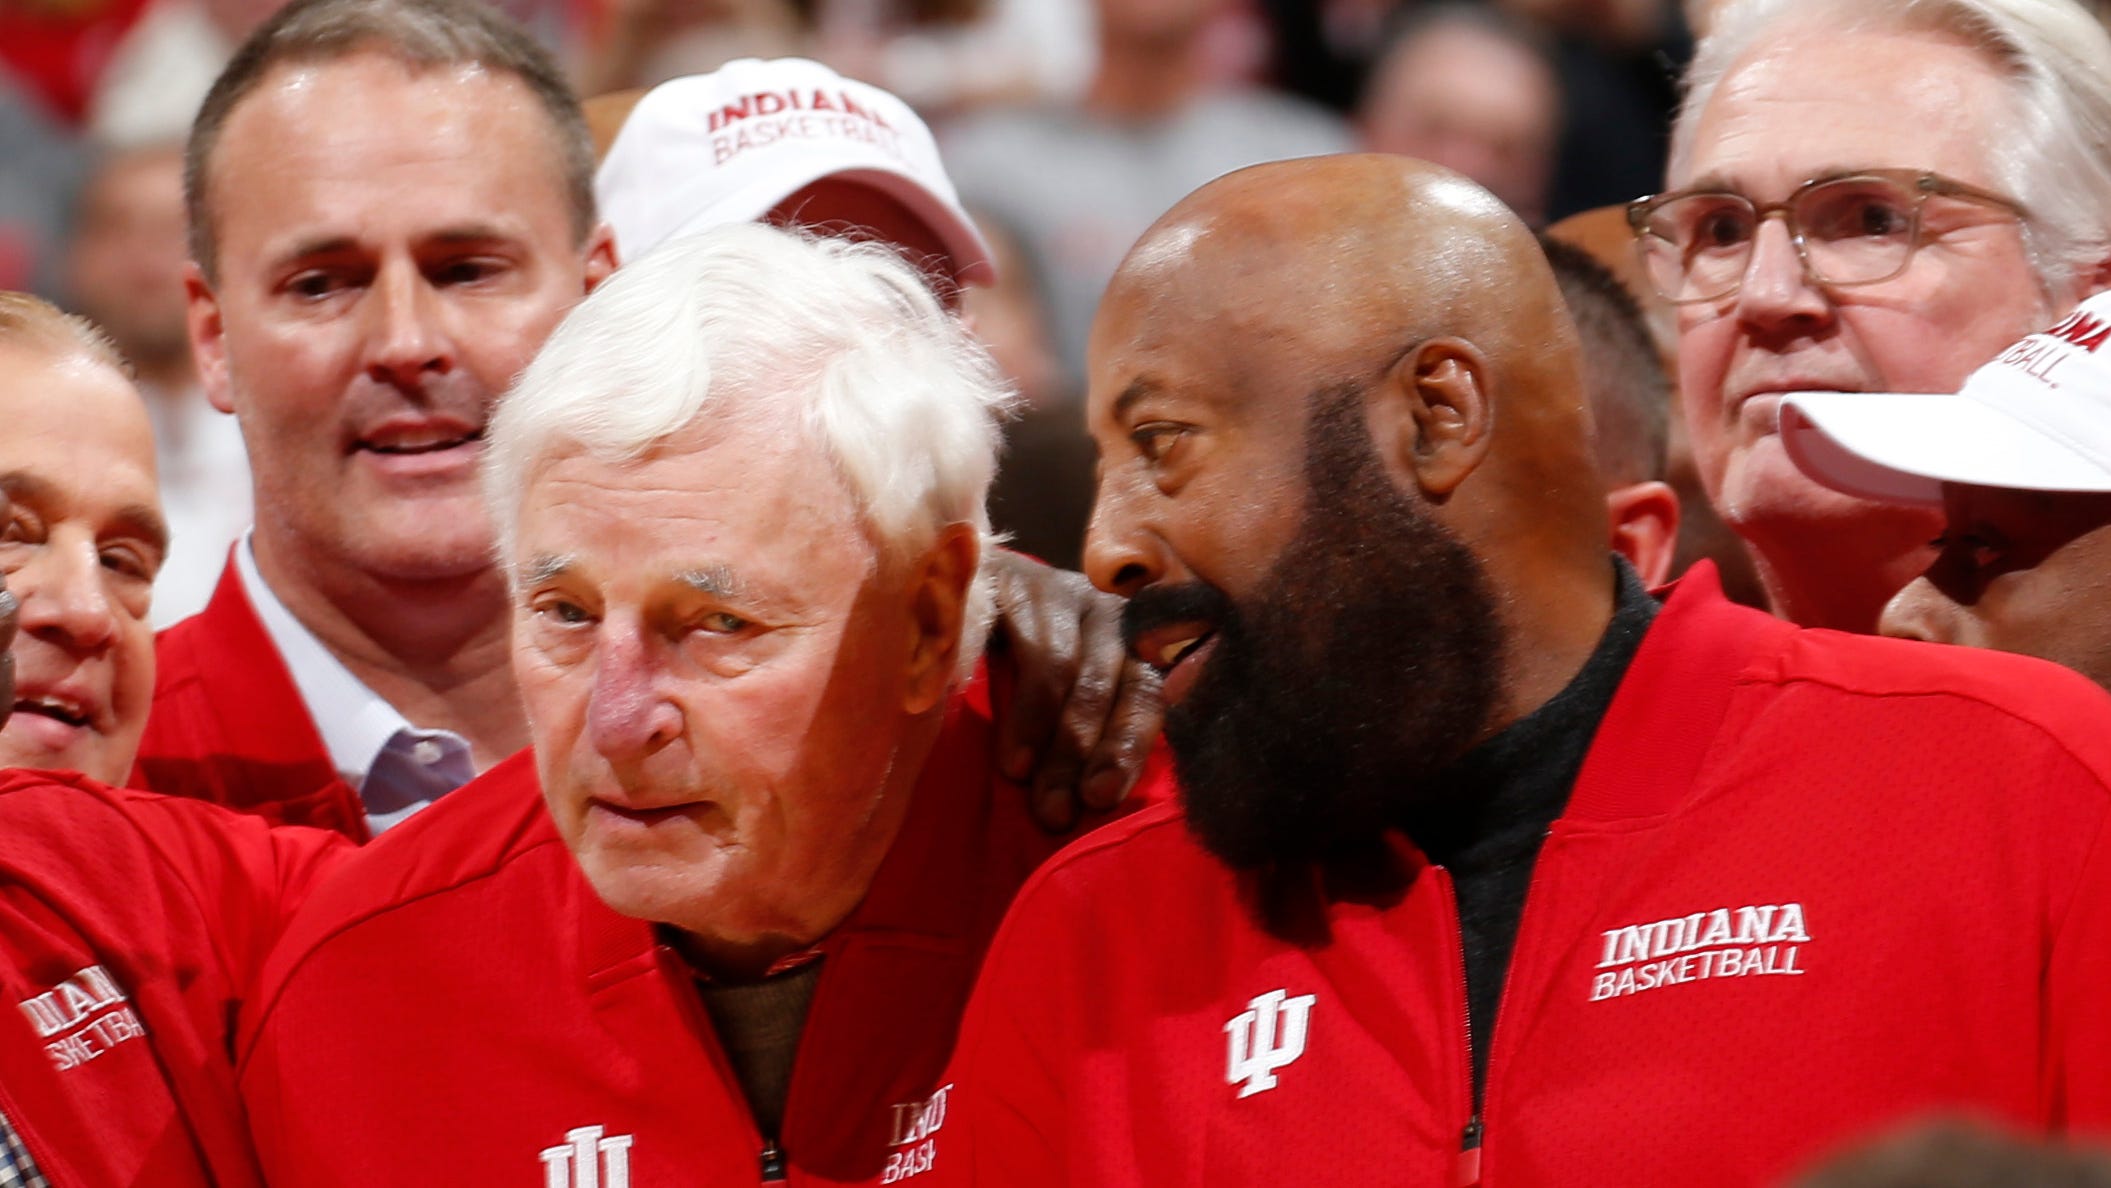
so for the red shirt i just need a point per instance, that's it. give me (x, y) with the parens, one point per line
(1806, 884)
(228, 724)
(470, 1012)
(130, 928)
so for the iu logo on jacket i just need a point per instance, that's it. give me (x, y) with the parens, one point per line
(589, 1157)
(1267, 1037)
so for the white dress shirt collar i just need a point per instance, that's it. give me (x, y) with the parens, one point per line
(358, 727)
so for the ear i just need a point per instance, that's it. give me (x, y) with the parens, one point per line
(208, 335)
(2094, 280)
(938, 603)
(1645, 519)
(1431, 416)
(600, 255)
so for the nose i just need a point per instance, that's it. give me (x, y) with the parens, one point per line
(1777, 289)
(1922, 611)
(1120, 556)
(405, 338)
(629, 716)
(65, 597)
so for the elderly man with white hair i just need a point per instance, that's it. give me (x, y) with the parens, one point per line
(740, 504)
(1942, 174)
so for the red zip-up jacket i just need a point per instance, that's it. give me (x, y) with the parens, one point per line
(229, 726)
(131, 926)
(1806, 884)
(460, 1007)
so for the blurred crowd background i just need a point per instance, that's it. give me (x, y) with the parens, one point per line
(1068, 125)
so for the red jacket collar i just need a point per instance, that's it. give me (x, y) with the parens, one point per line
(1671, 703)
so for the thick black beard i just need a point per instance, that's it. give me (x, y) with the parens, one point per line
(1365, 664)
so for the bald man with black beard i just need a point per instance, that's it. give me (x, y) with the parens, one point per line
(1490, 867)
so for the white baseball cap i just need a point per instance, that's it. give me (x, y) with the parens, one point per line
(2037, 418)
(729, 146)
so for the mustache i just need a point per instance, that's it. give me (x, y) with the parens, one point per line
(454, 393)
(1157, 606)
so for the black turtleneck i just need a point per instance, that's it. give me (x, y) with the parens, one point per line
(1492, 808)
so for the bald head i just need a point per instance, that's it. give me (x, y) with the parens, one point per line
(1376, 272)
(1348, 247)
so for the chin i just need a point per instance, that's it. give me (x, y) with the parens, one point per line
(442, 557)
(1761, 485)
(657, 896)
(14, 753)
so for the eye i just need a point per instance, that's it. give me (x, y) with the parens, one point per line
(1725, 226)
(1856, 211)
(1980, 549)
(1157, 440)
(129, 562)
(467, 270)
(21, 531)
(562, 612)
(723, 623)
(314, 284)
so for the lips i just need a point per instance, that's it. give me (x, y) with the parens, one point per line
(650, 816)
(1177, 650)
(60, 709)
(54, 718)
(65, 699)
(414, 435)
(1759, 409)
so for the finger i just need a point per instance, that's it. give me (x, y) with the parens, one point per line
(1054, 807)
(1043, 652)
(1101, 660)
(1057, 775)
(1132, 729)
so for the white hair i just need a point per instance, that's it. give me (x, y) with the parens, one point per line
(844, 336)
(2056, 57)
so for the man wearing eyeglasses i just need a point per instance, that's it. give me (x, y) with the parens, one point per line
(1866, 198)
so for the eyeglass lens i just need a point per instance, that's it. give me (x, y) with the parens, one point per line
(1854, 230)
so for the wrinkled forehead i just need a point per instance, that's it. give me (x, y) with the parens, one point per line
(748, 484)
(1804, 103)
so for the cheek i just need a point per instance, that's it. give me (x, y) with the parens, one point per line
(1699, 405)
(1706, 341)
(498, 349)
(135, 676)
(2060, 611)
(301, 366)
(1931, 350)
(554, 699)
(1931, 336)
(1242, 533)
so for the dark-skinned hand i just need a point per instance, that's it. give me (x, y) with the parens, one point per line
(1084, 713)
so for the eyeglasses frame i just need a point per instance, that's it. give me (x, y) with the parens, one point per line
(1923, 182)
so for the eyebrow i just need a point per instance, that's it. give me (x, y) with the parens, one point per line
(1136, 391)
(330, 245)
(544, 566)
(141, 520)
(713, 581)
(1719, 181)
